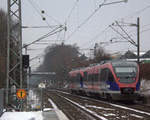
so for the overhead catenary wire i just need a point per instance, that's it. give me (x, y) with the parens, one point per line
(95, 37)
(102, 32)
(92, 14)
(132, 41)
(137, 12)
(38, 56)
(38, 10)
(145, 30)
(141, 31)
(52, 26)
(55, 20)
(68, 17)
(131, 15)
(72, 9)
(85, 21)
(54, 31)
(122, 35)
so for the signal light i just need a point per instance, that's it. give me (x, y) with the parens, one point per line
(25, 61)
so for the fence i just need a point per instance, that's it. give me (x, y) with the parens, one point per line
(33, 101)
(1, 101)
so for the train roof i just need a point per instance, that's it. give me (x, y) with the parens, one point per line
(93, 67)
(123, 63)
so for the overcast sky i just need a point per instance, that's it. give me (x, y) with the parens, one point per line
(94, 30)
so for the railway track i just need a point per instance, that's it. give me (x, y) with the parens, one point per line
(72, 111)
(134, 105)
(91, 109)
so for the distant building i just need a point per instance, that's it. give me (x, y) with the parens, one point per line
(129, 55)
(146, 55)
(132, 56)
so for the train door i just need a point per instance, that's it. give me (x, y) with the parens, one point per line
(110, 80)
(111, 83)
(85, 79)
(103, 78)
(110, 76)
(80, 80)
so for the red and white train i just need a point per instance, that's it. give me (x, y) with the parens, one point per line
(117, 80)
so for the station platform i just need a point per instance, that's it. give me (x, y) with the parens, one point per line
(50, 115)
(46, 114)
(53, 114)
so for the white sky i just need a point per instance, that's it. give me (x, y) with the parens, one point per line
(85, 36)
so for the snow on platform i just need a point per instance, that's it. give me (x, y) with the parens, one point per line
(37, 115)
(22, 116)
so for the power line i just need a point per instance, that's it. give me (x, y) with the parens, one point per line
(38, 56)
(122, 35)
(72, 9)
(94, 38)
(142, 31)
(146, 25)
(137, 12)
(145, 30)
(92, 14)
(47, 14)
(53, 18)
(102, 32)
(45, 36)
(131, 40)
(52, 26)
(38, 10)
(84, 22)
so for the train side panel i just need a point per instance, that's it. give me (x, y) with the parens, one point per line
(115, 81)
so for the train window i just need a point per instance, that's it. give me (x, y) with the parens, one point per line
(89, 77)
(104, 74)
(95, 77)
(85, 76)
(110, 76)
(72, 79)
(78, 78)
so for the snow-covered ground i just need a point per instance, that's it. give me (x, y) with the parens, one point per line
(22, 116)
(33, 101)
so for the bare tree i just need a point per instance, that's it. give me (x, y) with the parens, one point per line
(100, 55)
(61, 59)
(3, 48)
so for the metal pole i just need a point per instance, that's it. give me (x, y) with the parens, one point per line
(138, 40)
(8, 48)
(14, 46)
(20, 43)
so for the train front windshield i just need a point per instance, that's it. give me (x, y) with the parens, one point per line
(126, 74)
